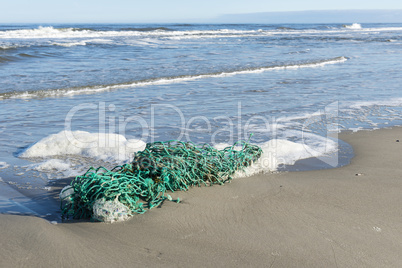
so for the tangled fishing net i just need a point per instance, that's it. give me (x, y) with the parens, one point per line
(116, 194)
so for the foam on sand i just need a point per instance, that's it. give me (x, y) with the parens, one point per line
(99, 146)
(278, 152)
(49, 165)
(116, 149)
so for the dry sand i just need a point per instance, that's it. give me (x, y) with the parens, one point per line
(324, 218)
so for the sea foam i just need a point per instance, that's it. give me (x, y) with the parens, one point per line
(4, 165)
(116, 149)
(50, 32)
(279, 152)
(50, 165)
(98, 146)
(354, 26)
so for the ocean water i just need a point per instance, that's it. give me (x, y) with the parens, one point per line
(74, 96)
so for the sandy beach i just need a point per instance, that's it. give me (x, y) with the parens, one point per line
(344, 217)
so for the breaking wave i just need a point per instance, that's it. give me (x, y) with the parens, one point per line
(161, 80)
(354, 26)
(50, 32)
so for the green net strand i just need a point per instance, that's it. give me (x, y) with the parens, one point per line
(159, 168)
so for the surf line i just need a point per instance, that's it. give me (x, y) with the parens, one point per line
(39, 94)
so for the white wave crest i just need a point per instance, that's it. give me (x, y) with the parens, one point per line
(5, 46)
(51, 32)
(354, 26)
(70, 44)
(3, 165)
(162, 81)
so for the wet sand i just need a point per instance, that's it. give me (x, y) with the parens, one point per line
(345, 217)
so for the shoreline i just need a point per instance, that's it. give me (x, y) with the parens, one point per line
(343, 217)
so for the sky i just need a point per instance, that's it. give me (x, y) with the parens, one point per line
(135, 11)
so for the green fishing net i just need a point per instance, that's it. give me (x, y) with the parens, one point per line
(162, 167)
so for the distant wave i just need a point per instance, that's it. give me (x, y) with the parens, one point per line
(146, 29)
(285, 28)
(4, 59)
(4, 47)
(25, 55)
(51, 32)
(161, 80)
(45, 32)
(11, 46)
(70, 44)
(354, 26)
(17, 57)
(162, 32)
